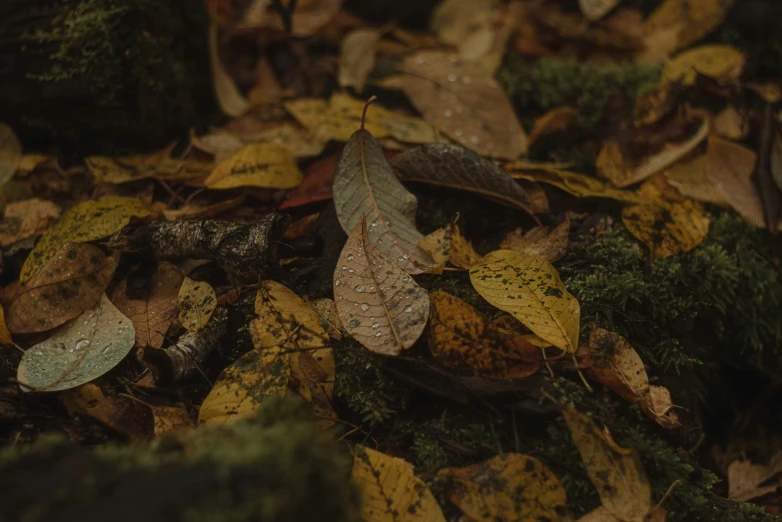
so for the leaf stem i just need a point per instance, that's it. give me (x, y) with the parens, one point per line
(364, 113)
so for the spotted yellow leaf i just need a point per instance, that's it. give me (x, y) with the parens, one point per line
(197, 301)
(265, 165)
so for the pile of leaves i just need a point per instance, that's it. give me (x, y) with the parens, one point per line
(506, 261)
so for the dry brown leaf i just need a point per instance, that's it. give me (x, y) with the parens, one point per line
(506, 488)
(27, 218)
(464, 340)
(230, 100)
(689, 177)
(747, 480)
(378, 304)
(357, 57)
(391, 491)
(365, 186)
(729, 167)
(731, 124)
(721, 63)
(579, 185)
(120, 413)
(152, 315)
(465, 103)
(70, 283)
(594, 10)
(10, 153)
(544, 243)
(452, 166)
(666, 222)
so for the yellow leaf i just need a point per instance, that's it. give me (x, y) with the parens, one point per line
(464, 340)
(437, 244)
(168, 418)
(86, 222)
(461, 253)
(134, 168)
(392, 493)
(507, 488)
(666, 222)
(197, 301)
(579, 185)
(265, 165)
(530, 289)
(718, 62)
(616, 472)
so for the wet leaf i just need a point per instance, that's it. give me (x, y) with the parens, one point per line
(544, 243)
(666, 222)
(579, 185)
(10, 153)
(357, 57)
(27, 218)
(265, 165)
(594, 10)
(365, 185)
(465, 103)
(392, 493)
(506, 488)
(530, 289)
(196, 301)
(82, 350)
(729, 167)
(452, 166)
(379, 304)
(464, 340)
(616, 472)
(154, 313)
(73, 281)
(86, 222)
(718, 62)
(229, 98)
(689, 177)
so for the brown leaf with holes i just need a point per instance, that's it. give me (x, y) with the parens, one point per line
(464, 340)
(465, 103)
(379, 305)
(153, 314)
(452, 166)
(544, 243)
(69, 284)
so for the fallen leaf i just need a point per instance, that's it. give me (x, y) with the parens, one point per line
(452, 166)
(689, 177)
(265, 165)
(579, 185)
(82, 350)
(616, 472)
(721, 63)
(308, 17)
(461, 254)
(357, 57)
(10, 153)
(731, 124)
(465, 103)
(509, 487)
(134, 168)
(219, 144)
(658, 405)
(169, 418)
(544, 243)
(196, 301)
(378, 304)
(27, 218)
(390, 490)
(5, 335)
(453, 21)
(230, 100)
(555, 120)
(316, 185)
(73, 281)
(154, 313)
(464, 340)
(729, 167)
(530, 289)
(79, 400)
(86, 222)
(594, 10)
(437, 244)
(329, 317)
(665, 222)
(747, 480)
(616, 364)
(365, 186)
(601, 514)
(120, 413)
(197, 210)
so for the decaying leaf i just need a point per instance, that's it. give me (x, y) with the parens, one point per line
(391, 490)
(719, 62)
(544, 243)
(748, 480)
(27, 218)
(463, 339)
(230, 100)
(594, 10)
(10, 153)
(265, 165)
(82, 350)
(579, 185)
(530, 289)
(379, 304)
(729, 167)
(86, 222)
(461, 254)
(196, 301)
(153, 313)
(507, 488)
(465, 103)
(169, 418)
(437, 244)
(666, 222)
(70, 283)
(357, 57)
(452, 166)
(689, 177)
(365, 186)
(616, 472)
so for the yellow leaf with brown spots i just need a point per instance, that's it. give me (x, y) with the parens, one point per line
(464, 340)
(530, 289)
(507, 488)
(391, 491)
(85, 222)
(666, 222)
(197, 301)
(264, 165)
(437, 244)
